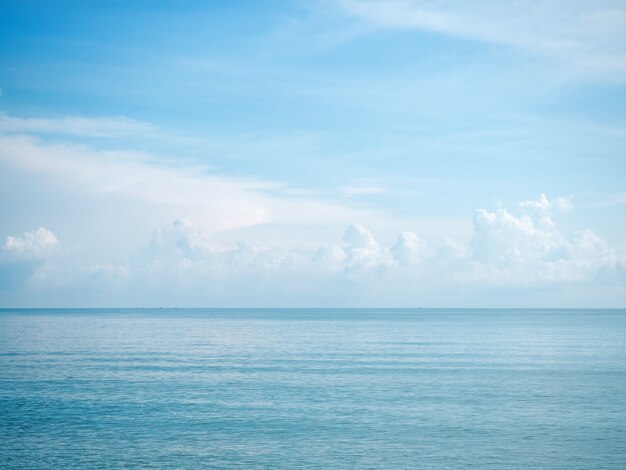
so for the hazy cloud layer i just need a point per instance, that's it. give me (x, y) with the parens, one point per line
(520, 250)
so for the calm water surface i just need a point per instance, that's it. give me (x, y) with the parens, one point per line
(433, 389)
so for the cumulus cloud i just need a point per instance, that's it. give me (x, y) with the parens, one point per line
(505, 248)
(22, 255)
(409, 249)
(502, 238)
(544, 205)
(527, 247)
(363, 252)
(36, 244)
(358, 238)
(180, 253)
(452, 250)
(181, 238)
(330, 258)
(543, 208)
(515, 249)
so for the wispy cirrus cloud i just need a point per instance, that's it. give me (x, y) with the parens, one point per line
(590, 36)
(362, 190)
(217, 202)
(75, 125)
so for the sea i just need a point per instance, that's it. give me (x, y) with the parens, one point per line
(312, 388)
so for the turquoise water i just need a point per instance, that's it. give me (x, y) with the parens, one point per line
(433, 389)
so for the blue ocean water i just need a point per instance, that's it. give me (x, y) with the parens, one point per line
(433, 389)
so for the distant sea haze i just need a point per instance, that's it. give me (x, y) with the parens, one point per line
(313, 388)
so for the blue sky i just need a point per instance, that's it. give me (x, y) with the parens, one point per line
(292, 146)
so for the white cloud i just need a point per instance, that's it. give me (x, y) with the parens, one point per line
(22, 256)
(227, 203)
(503, 238)
(363, 253)
(330, 258)
(180, 238)
(358, 237)
(543, 204)
(543, 208)
(213, 201)
(409, 249)
(451, 251)
(528, 249)
(75, 125)
(362, 190)
(515, 251)
(110, 274)
(589, 35)
(506, 249)
(36, 244)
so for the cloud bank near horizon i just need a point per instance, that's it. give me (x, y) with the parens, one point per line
(510, 251)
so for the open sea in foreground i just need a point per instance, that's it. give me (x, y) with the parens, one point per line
(323, 389)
